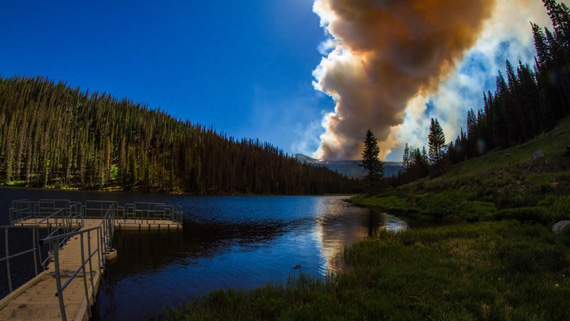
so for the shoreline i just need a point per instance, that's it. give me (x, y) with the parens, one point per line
(5, 186)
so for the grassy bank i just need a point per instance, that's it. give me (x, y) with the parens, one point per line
(495, 259)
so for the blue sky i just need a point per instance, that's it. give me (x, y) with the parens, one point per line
(243, 67)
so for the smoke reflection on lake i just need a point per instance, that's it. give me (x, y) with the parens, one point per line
(340, 226)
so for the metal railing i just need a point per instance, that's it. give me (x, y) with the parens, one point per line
(104, 234)
(71, 214)
(54, 247)
(98, 209)
(107, 226)
(34, 249)
(151, 212)
(48, 212)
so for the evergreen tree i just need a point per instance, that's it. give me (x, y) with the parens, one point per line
(471, 125)
(371, 161)
(436, 142)
(406, 157)
(542, 47)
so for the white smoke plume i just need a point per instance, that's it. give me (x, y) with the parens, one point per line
(385, 60)
(383, 53)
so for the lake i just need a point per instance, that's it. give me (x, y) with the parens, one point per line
(227, 242)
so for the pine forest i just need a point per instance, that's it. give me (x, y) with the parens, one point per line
(52, 135)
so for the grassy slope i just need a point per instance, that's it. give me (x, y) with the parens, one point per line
(501, 184)
(499, 261)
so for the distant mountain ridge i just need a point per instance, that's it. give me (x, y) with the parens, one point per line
(349, 168)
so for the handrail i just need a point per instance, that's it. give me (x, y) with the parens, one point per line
(47, 240)
(54, 232)
(104, 232)
(64, 212)
(35, 249)
(48, 217)
(54, 245)
(108, 225)
(152, 212)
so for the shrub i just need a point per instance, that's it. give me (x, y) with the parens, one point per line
(557, 208)
(473, 211)
(526, 257)
(535, 214)
(516, 198)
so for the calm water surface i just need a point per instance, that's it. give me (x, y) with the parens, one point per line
(227, 242)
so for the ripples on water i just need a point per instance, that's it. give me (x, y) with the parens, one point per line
(227, 242)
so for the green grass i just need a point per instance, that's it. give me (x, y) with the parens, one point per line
(552, 143)
(484, 271)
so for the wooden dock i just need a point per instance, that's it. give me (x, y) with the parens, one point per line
(38, 299)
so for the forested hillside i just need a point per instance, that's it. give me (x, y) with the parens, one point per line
(54, 135)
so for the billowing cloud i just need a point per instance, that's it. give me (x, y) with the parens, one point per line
(381, 55)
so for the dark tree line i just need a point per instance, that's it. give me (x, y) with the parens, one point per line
(417, 164)
(529, 101)
(51, 134)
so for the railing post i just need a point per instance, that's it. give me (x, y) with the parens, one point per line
(90, 260)
(110, 233)
(34, 245)
(55, 249)
(38, 248)
(8, 260)
(85, 276)
(102, 246)
(104, 241)
(99, 248)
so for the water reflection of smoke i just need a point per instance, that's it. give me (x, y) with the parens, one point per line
(336, 232)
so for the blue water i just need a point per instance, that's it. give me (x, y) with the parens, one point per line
(227, 242)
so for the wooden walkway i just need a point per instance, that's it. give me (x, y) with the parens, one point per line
(36, 300)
